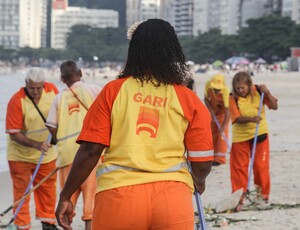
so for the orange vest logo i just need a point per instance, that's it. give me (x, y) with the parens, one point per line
(73, 106)
(148, 121)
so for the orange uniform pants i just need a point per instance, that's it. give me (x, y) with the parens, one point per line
(44, 196)
(220, 146)
(239, 163)
(165, 205)
(88, 189)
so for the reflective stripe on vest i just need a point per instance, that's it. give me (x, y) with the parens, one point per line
(37, 131)
(69, 136)
(220, 154)
(201, 153)
(111, 168)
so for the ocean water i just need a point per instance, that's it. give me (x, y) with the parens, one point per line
(10, 84)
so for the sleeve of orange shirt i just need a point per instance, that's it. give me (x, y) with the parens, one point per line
(14, 115)
(198, 136)
(233, 108)
(50, 87)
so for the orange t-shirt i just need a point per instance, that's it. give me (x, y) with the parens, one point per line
(147, 130)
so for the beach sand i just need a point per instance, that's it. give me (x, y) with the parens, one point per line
(284, 129)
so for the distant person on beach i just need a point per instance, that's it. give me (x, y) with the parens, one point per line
(216, 99)
(145, 120)
(244, 106)
(65, 122)
(27, 141)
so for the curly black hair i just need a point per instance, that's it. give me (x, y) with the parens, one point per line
(155, 55)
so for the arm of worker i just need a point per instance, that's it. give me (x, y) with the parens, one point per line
(84, 162)
(271, 100)
(21, 139)
(236, 116)
(53, 132)
(200, 171)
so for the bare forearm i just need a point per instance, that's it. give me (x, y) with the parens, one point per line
(84, 162)
(21, 139)
(272, 101)
(200, 171)
(53, 132)
(243, 120)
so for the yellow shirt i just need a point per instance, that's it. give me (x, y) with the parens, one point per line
(148, 129)
(67, 114)
(246, 107)
(23, 117)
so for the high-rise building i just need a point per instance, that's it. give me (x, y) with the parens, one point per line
(183, 17)
(291, 8)
(64, 17)
(9, 23)
(141, 10)
(209, 14)
(200, 17)
(23, 23)
(33, 23)
(179, 13)
(253, 9)
(273, 7)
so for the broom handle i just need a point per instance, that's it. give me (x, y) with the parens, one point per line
(223, 134)
(254, 142)
(30, 191)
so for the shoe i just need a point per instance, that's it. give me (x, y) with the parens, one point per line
(47, 226)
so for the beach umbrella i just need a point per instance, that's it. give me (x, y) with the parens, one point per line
(217, 63)
(260, 61)
(237, 60)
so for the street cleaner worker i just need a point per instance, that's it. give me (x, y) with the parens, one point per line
(244, 105)
(216, 99)
(145, 120)
(27, 140)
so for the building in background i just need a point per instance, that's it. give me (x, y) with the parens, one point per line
(291, 8)
(253, 9)
(200, 16)
(9, 24)
(23, 23)
(179, 13)
(64, 17)
(32, 23)
(183, 17)
(222, 14)
(273, 7)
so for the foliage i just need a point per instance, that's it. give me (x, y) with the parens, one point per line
(210, 46)
(106, 44)
(268, 37)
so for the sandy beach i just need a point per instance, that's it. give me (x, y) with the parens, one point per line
(284, 130)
